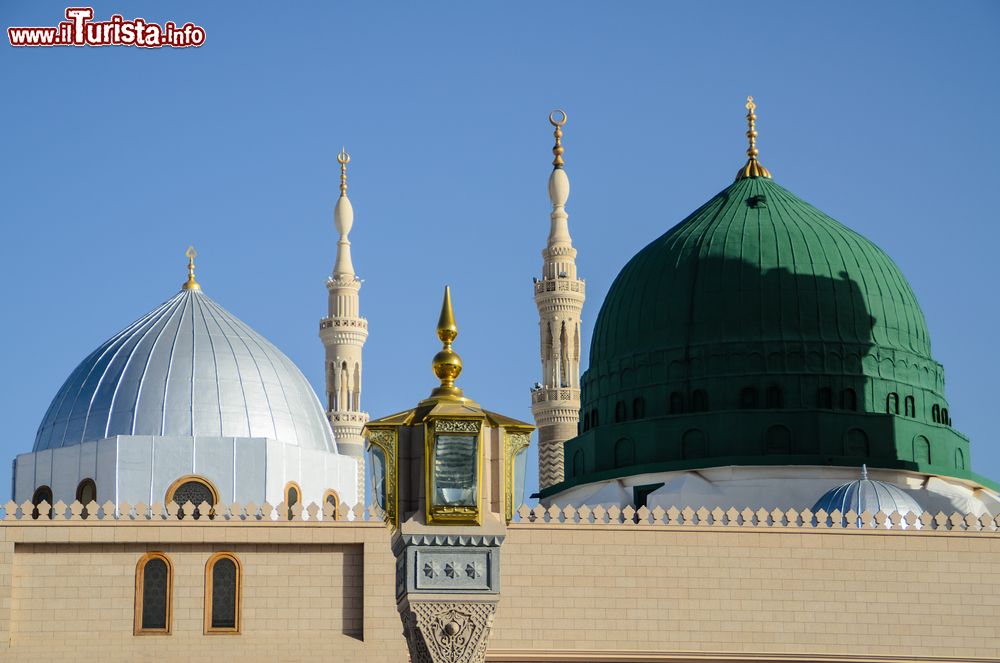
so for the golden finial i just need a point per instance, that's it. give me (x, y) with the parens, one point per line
(343, 158)
(752, 167)
(447, 364)
(191, 284)
(557, 149)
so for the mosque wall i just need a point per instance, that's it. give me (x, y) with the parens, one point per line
(576, 586)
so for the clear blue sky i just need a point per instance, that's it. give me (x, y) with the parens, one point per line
(115, 159)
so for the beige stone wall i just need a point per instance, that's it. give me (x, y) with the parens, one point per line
(786, 591)
(668, 590)
(309, 592)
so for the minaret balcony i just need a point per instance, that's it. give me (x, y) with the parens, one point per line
(554, 395)
(560, 285)
(347, 417)
(333, 323)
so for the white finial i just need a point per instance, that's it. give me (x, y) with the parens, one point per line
(343, 220)
(864, 472)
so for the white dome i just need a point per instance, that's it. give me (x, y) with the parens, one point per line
(187, 368)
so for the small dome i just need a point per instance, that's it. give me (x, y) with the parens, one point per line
(869, 495)
(188, 368)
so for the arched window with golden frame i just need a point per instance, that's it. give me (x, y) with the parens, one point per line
(293, 495)
(154, 593)
(223, 594)
(192, 488)
(333, 499)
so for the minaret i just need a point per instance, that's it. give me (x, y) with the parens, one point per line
(343, 333)
(559, 295)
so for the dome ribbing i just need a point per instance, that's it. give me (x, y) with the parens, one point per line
(187, 368)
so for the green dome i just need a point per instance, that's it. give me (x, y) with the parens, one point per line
(761, 331)
(758, 264)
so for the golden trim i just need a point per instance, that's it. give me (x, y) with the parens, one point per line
(557, 149)
(387, 439)
(330, 492)
(753, 168)
(515, 441)
(453, 515)
(209, 571)
(343, 159)
(447, 364)
(288, 505)
(198, 479)
(191, 283)
(140, 570)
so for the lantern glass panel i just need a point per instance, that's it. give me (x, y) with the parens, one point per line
(455, 471)
(378, 477)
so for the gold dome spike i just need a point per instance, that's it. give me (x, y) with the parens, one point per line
(343, 158)
(191, 284)
(557, 149)
(753, 168)
(447, 364)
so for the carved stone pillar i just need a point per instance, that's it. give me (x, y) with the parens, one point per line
(447, 631)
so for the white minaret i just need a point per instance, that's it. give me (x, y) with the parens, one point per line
(559, 295)
(343, 332)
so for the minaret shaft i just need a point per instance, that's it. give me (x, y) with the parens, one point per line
(343, 333)
(559, 296)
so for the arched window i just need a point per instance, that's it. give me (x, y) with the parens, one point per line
(593, 419)
(824, 398)
(586, 421)
(331, 498)
(892, 403)
(154, 579)
(223, 589)
(624, 452)
(959, 459)
(775, 397)
(578, 463)
(676, 403)
(699, 400)
(849, 400)
(86, 492)
(748, 398)
(638, 408)
(922, 450)
(293, 495)
(193, 489)
(909, 406)
(619, 412)
(694, 444)
(778, 440)
(42, 494)
(945, 419)
(856, 443)
(936, 413)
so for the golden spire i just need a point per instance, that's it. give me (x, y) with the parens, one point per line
(343, 158)
(557, 149)
(191, 284)
(447, 364)
(753, 168)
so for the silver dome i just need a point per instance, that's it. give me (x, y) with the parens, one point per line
(869, 495)
(187, 368)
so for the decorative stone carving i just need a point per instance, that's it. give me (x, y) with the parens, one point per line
(456, 426)
(448, 631)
